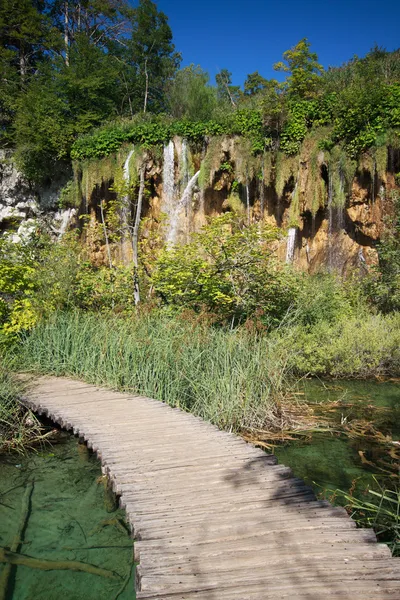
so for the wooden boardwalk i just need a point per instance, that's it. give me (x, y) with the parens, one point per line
(214, 517)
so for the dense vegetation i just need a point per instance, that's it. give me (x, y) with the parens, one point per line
(224, 328)
(71, 67)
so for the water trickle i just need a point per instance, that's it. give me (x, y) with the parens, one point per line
(291, 244)
(183, 203)
(125, 209)
(330, 220)
(184, 166)
(340, 208)
(262, 193)
(169, 179)
(64, 218)
(248, 202)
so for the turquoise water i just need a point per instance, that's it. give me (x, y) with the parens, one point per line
(72, 517)
(332, 460)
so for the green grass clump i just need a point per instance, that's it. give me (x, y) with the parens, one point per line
(357, 346)
(231, 378)
(19, 428)
(378, 508)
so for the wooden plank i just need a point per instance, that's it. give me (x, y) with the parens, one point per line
(216, 518)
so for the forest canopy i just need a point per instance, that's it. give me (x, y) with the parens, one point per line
(72, 66)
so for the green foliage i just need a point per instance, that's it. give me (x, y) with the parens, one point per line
(190, 95)
(19, 427)
(227, 93)
(383, 283)
(353, 347)
(17, 268)
(102, 289)
(231, 378)
(36, 278)
(304, 70)
(379, 507)
(254, 84)
(229, 270)
(159, 130)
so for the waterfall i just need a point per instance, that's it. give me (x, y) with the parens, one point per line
(262, 193)
(291, 243)
(125, 209)
(184, 166)
(248, 202)
(183, 202)
(169, 178)
(63, 217)
(330, 220)
(340, 208)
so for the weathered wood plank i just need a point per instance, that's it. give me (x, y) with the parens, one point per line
(216, 518)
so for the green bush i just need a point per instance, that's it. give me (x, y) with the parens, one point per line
(230, 270)
(355, 347)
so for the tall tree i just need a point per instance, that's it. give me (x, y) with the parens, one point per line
(303, 69)
(254, 83)
(25, 33)
(190, 95)
(152, 55)
(226, 91)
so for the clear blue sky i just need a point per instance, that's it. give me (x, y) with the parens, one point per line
(250, 35)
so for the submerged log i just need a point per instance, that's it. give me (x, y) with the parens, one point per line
(14, 558)
(18, 538)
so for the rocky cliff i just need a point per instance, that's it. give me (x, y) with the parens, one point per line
(333, 209)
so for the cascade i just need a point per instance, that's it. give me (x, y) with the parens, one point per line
(169, 179)
(248, 202)
(183, 202)
(64, 217)
(330, 220)
(291, 243)
(184, 166)
(340, 208)
(262, 193)
(125, 208)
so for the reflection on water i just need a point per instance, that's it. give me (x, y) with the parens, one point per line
(333, 460)
(72, 517)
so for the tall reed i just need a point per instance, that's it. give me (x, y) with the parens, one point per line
(19, 428)
(229, 378)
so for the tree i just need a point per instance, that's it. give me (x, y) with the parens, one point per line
(24, 36)
(103, 22)
(304, 71)
(254, 84)
(225, 90)
(152, 55)
(190, 95)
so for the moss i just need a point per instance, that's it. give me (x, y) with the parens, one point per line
(247, 165)
(286, 167)
(341, 169)
(211, 162)
(381, 160)
(294, 210)
(234, 203)
(267, 168)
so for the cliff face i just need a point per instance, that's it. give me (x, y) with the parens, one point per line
(333, 209)
(24, 207)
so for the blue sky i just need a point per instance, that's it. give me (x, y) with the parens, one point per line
(251, 35)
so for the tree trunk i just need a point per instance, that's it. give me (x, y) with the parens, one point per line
(135, 237)
(146, 93)
(66, 32)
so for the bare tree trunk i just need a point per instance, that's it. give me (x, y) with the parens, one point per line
(262, 194)
(135, 237)
(108, 252)
(146, 94)
(22, 64)
(66, 32)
